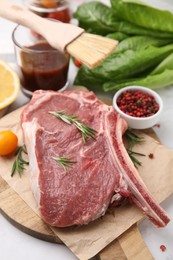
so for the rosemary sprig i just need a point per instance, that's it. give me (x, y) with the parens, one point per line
(133, 139)
(86, 131)
(19, 163)
(64, 162)
(135, 161)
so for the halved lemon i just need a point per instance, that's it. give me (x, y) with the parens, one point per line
(9, 84)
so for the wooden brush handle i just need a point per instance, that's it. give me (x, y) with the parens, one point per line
(56, 33)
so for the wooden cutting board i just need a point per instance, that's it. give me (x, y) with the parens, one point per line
(121, 248)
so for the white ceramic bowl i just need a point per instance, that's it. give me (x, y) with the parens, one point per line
(139, 122)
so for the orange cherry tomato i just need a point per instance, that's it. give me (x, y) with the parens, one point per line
(8, 142)
(49, 3)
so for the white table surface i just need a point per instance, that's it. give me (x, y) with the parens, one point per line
(16, 245)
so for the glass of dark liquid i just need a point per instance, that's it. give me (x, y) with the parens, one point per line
(39, 65)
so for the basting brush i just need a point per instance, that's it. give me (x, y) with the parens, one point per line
(88, 48)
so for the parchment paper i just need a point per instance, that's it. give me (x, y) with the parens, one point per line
(87, 241)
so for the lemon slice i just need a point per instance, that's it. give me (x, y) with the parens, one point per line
(9, 85)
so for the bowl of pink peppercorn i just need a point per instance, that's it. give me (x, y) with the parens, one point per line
(140, 106)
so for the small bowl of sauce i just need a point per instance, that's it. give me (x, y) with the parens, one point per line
(39, 65)
(141, 107)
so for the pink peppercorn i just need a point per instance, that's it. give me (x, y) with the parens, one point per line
(163, 248)
(151, 155)
(137, 103)
(157, 125)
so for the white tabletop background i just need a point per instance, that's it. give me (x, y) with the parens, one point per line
(16, 245)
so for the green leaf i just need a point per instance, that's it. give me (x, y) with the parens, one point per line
(143, 13)
(87, 77)
(166, 64)
(129, 28)
(137, 59)
(95, 17)
(141, 42)
(124, 65)
(157, 81)
(119, 36)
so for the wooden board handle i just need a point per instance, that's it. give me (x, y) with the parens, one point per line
(112, 252)
(133, 245)
(130, 245)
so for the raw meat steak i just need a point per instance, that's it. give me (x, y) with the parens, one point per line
(101, 172)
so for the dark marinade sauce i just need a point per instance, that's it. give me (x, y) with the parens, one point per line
(46, 70)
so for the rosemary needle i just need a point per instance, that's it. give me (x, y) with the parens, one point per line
(133, 139)
(133, 158)
(86, 131)
(64, 162)
(19, 163)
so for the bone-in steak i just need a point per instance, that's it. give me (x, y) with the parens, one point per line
(101, 170)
